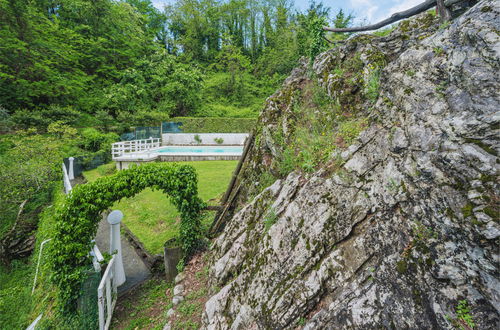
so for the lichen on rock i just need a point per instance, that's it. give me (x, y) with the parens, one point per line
(399, 222)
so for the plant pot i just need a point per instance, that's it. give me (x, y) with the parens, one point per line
(172, 255)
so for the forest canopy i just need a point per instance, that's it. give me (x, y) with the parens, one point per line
(85, 62)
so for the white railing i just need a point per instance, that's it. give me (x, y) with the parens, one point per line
(120, 148)
(67, 182)
(106, 295)
(97, 258)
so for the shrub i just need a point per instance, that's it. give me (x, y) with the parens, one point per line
(78, 216)
(93, 140)
(41, 118)
(5, 121)
(215, 124)
(219, 140)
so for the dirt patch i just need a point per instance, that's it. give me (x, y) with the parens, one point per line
(189, 312)
(143, 307)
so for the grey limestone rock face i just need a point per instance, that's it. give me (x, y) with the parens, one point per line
(407, 228)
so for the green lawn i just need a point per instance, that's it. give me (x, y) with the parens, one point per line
(151, 216)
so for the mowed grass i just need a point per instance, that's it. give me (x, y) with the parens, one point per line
(151, 216)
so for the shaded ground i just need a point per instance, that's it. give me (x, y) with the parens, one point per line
(188, 313)
(143, 307)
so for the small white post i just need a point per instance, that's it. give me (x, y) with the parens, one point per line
(71, 171)
(115, 244)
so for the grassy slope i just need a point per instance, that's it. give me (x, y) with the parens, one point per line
(144, 307)
(150, 215)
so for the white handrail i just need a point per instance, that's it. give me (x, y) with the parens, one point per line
(32, 326)
(67, 182)
(120, 148)
(38, 264)
(106, 296)
(97, 257)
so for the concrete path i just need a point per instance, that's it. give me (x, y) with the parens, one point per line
(135, 269)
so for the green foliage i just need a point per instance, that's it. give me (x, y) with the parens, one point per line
(318, 37)
(464, 316)
(320, 127)
(215, 125)
(28, 170)
(77, 218)
(385, 31)
(180, 265)
(5, 121)
(42, 118)
(93, 140)
(270, 219)
(15, 295)
(59, 129)
(130, 62)
(219, 140)
(157, 83)
(197, 139)
(438, 51)
(372, 85)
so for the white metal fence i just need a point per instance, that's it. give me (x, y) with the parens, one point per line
(67, 182)
(106, 295)
(120, 148)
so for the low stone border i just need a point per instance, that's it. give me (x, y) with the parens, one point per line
(177, 299)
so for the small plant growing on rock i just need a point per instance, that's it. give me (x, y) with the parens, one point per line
(438, 51)
(219, 140)
(372, 88)
(270, 219)
(463, 320)
(197, 138)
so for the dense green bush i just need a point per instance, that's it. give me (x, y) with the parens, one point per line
(215, 125)
(93, 140)
(78, 216)
(15, 295)
(42, 118)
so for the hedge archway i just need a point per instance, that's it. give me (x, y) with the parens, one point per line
(77, 218)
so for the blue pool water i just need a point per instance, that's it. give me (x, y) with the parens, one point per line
(201, 150)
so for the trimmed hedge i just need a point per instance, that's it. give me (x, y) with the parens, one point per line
(215, 124)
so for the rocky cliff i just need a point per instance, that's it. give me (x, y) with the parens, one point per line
(369, 198)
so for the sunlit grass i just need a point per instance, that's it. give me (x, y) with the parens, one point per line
(151, 216)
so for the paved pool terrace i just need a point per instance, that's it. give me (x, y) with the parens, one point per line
(176, 147)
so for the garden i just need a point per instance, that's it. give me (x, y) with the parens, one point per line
(151, 216)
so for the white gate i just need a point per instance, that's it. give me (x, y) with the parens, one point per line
(106, 296)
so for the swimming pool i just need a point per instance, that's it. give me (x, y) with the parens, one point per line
(201, 150)
(179, 154)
